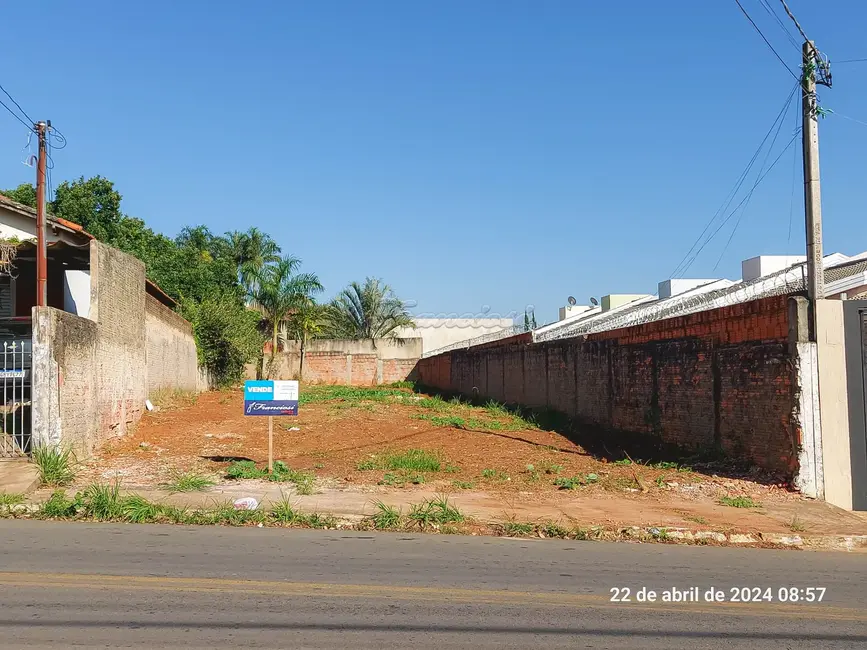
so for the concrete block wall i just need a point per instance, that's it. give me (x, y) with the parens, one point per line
(65, 383)
(117, 304)
(358, 363)
(724, 378)
(172, 360)
(91, 375)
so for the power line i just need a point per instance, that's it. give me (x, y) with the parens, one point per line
(846, 117)
(820, 62)
(750, 193)
(767, 7)
(850, 61)
(795, 20)
(767, 42)
(792, 197)
(743, 200)
(16, 116)
(737, 186)
(23, 112)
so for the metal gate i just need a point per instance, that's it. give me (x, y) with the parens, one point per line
(855, 323)
(16, 356)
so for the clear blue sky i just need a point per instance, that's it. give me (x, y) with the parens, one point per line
(471, 153)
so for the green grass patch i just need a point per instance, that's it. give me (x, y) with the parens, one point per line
(518, 528)
(9, 499)
(574, 482)
(464, 485)
(56, 465)
(101, 501)
(58, 506)
(188, 482)
(247, 469)
(436, 511)
(314, 394)
(410, 385)
(494, 475)
(739, 502)
(443, 420)
(623, 461)
(553, 529)
(400, 478)
(386, 517)
(410, 460)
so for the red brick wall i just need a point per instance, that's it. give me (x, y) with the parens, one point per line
(363, 370)
(721, 378)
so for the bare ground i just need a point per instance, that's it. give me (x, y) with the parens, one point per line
(491, 460)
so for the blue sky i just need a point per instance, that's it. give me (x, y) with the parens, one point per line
(473, 153)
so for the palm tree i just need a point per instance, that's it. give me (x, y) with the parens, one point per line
(305, 322)
(252, 251)
(279, 290)
(368, 311)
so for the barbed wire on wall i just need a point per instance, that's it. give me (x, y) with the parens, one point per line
(478, 340)
(790, 280)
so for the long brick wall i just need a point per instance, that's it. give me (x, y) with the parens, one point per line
(719, 379)
(358, 363)
(172, 361)
(90, 375)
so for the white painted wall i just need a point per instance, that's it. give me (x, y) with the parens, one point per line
(573, 311)
(677, 286)
(834, 402)
(437, 333)
(759, 267)
(76, 292)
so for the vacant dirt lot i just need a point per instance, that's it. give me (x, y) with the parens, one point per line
(345, 437)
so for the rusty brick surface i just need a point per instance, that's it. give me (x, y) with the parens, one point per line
(718, 379)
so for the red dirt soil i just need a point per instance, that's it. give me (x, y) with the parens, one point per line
(335, 436)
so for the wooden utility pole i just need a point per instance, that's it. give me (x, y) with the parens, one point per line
(812, 190)
(41, 255)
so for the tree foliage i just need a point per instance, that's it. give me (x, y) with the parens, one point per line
(227, 335)
(367, 311)
(24, 194)
(278, 290)
(231, 287)
(92, 203)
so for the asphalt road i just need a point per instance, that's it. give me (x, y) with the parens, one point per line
(92, 585)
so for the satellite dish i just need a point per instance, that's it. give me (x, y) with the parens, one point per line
(593, 301)
(571, 300)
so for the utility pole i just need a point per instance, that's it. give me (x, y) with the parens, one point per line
(812, 190)
(41, 255)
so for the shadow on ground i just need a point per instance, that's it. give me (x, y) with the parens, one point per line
(611, 445)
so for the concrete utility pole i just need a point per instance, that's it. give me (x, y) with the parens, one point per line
(812, 190)
(41, 255)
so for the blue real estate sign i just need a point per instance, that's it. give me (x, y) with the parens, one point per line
(265, 397)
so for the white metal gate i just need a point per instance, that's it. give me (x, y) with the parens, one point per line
(16, 357)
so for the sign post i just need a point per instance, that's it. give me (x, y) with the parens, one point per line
(267, 397)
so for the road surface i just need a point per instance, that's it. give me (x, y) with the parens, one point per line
(98, 585)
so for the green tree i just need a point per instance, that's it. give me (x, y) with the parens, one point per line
(368, 311)
(307, 321)
(529, 320)
(92, 203)
(251, 251)
(227, 335)
(279, 290)
(24, 194)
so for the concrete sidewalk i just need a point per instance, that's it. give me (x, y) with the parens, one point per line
(18, 476)
(782, 519)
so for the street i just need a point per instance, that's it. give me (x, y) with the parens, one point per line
(101, 585)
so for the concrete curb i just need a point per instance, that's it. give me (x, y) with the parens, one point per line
(817, 542)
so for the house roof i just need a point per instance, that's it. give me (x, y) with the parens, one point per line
(69, 226)
(27, 211)
(791, 280)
